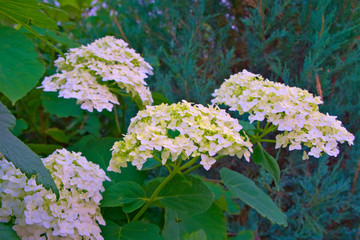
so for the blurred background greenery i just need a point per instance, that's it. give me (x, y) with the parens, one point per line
(193, 46)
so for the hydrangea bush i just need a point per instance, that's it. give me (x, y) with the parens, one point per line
(37, 212)
(178, 138)
(93, 74)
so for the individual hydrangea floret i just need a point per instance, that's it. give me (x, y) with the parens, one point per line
(293, 110)
(92, 73)
(180, 130)
(38, 215)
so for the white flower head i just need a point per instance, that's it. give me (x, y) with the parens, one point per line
(92, 73)
(75, 215)
(293, 110)
(180, 130)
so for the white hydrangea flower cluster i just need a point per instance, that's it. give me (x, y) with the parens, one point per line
(293, 110)
(89, 72)
(201, 131)
(38, 215)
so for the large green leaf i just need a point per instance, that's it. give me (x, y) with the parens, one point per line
(58, 135)
(60, 106)
(224, 198)
(6, 232)
(159, 98)
(111, 231)
(245, 189)
(127, 194)
(131, 231)
(197, 235)
(20, 68)
(212, 222)
(245, 235)
(27, 12)
(261, 157)
(43, 148)
(7, 120)
(186, 193)
(20, 126)
(20, 155)
(97, 150)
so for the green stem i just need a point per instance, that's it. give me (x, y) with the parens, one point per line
(267, 131)
(192, 169)
(159, 160)
(156, 193)
(267, 140)
(189, 163)
(123, 111)
(117, 120)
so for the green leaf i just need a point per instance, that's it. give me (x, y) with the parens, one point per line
(245, 235)
(20, 155)
(20, 68)
(197, 235)
(57, 135)
(186, 193)
(59, 106)
(115, 214)
(261, 157)
(212, 222)
(224, 198)
(172, 134)
(248, 192)
(111, 231)
(247, 127)
(20, 126)
(131, 231)
(140, 231)
(43, 149)
(97, 150)
(7, 120)
(159, 98)
(58, 37)
(127, 194)
(6, 232)
(27, 12)
(150, 163)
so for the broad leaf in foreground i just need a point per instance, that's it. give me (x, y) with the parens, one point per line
(179, 224)
(248, 192)
(20, 155)
(20, 68)
(187, 194)
(27, 12)
(131, 231)
(129, 195)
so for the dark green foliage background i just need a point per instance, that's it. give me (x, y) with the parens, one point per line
(193, 46)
